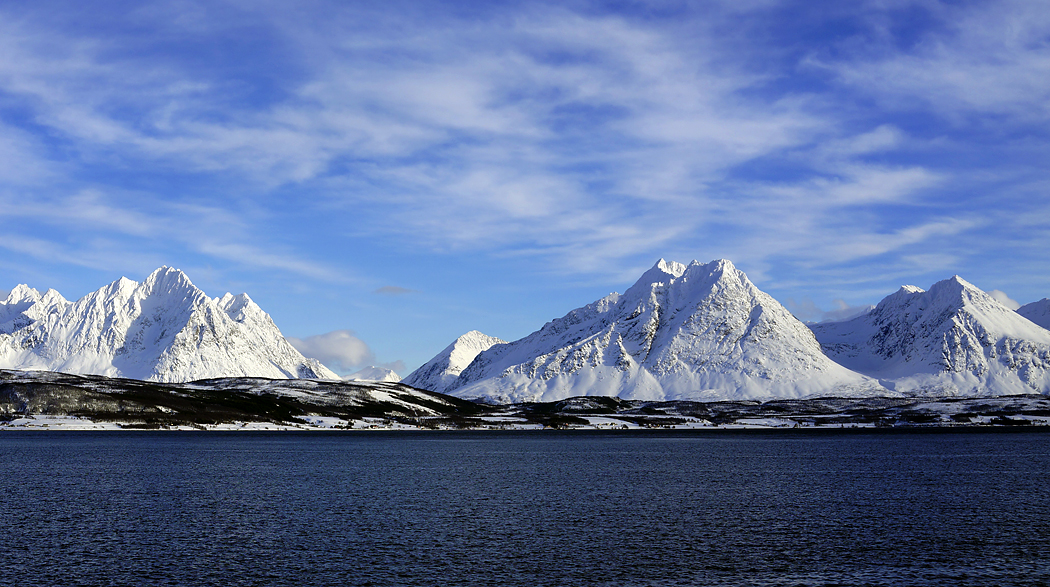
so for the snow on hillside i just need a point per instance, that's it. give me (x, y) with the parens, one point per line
(702, 331)
(952, 340)
(163, 329)
(374, 373)
(440, 373)
(1038, 312)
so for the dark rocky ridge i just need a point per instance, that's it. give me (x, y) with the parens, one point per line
(139, 404)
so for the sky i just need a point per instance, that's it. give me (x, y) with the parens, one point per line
(383, 177)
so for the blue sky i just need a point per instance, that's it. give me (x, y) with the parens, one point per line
(382, 177)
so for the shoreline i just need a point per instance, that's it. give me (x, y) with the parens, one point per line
(52, 423)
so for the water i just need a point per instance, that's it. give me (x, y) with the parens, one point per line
(959, 508)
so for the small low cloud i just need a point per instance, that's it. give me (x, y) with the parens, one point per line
(4, 293)
(1001, 297)
(342, 351)
(393, 290)
(339, 350)
(809, 312)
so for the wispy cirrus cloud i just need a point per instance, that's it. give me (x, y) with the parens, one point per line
(977, 59)
(579, 139)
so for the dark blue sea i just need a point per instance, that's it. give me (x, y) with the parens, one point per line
(537, 508)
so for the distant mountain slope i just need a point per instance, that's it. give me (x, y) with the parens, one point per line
(441, 372)
(374, 374)
(163, 329)
(697, 332)
(953, 339)
(1038, 312)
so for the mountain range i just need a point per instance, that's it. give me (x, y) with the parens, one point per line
(705, 332)
(697, 332)
(163, 329)
(951, 340)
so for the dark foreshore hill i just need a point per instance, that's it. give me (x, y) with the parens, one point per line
(57, 401)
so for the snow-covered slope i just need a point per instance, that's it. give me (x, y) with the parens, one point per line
(441, 372)
(696, 332)
(952, 340)
(1038, 312)
(374, 373)
(163, 329)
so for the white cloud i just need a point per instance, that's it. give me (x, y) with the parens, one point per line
(339, 350)
(984, 57)
(1002, 298)
(808, 311)
(587, 142)
(92, 221)
(475, 130)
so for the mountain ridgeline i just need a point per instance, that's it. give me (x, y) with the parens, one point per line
(697, 332)
(163, 329)
(951, 340)
(704, 332)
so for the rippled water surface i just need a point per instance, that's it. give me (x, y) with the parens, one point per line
(948, 508)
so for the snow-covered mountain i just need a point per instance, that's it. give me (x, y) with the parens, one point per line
(163, 329)
(374, 373)
(702, 331)
(951, 340)
(1038, 312)
(440, 373)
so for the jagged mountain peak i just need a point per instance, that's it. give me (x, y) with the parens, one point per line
(955, 290)
(52, 296)
(169, 281)
(22, 293)
(952, 339)
(163, 329)
(663, 272)
(680, 332)
(944, 298)
(240, 307)
(672, 268)
(666, 271)
(664, 275)
(472, 335)
(721, 270)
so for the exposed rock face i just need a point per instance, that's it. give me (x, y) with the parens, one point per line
(163, 329)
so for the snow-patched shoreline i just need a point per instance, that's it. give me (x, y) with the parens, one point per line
(503, 423)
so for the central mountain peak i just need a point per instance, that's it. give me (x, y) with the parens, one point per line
(171, 281)
(701, 331)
